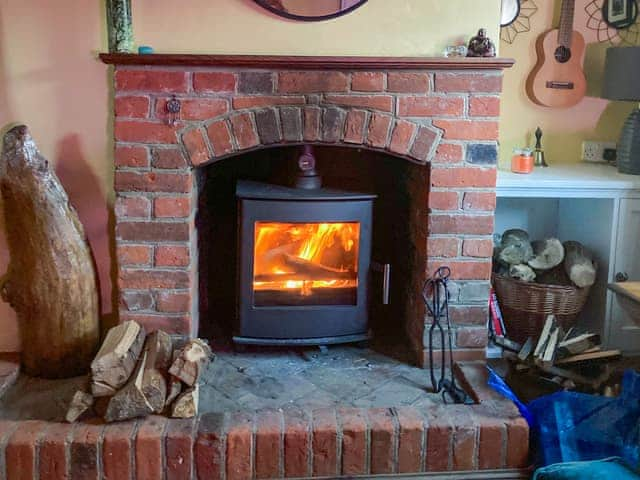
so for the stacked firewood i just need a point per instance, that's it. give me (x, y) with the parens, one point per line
(572, 360)
(134, 375)
(548, 261)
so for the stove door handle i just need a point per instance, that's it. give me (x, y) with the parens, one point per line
(385, 269)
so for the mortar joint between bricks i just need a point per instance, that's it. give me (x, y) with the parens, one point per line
(367, 444)
(281, 451)
(339, 439)
(125, 168)
(252, 448)
(207, 142)
(308, 416)
(99, 448)
(395, 439)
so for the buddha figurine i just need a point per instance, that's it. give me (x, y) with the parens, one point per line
(481, 45)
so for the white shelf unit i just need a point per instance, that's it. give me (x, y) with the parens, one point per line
(595, 205)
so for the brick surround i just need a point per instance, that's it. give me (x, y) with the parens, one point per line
(444, 119)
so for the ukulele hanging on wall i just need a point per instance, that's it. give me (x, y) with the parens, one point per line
(558, 78)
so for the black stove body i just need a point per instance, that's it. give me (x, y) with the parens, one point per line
(304, 264)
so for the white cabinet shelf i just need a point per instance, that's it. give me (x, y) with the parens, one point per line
(595, 205)
(580, 180)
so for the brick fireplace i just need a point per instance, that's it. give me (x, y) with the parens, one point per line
(438, 116)
(420, 133)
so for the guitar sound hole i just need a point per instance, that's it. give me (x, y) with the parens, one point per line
(562, 54)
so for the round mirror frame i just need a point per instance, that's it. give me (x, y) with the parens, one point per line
(292, 16)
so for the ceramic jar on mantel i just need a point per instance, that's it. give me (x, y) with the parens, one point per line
(120, 26)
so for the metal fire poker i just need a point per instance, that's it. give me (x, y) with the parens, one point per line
(436, 297)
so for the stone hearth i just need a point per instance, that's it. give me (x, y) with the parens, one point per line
(439, 114)
(485, 440)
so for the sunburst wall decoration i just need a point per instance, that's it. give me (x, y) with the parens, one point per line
(522, 24)
(606, 33)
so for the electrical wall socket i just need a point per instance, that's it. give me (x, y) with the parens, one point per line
(594, 151)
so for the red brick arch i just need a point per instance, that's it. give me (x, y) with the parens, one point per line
(249, 129)
(444, 119)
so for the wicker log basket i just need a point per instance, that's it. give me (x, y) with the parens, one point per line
(525, 305)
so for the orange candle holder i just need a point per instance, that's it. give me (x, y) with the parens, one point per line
(522, 161)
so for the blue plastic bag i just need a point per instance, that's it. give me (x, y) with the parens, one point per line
(607, 469)
(571, 426)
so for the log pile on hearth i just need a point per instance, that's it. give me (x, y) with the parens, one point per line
(573, 361)
(134, 375)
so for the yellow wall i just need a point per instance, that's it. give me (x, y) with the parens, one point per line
(564, 129)
(50, 80)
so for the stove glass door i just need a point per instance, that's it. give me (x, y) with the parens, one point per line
(298, 264)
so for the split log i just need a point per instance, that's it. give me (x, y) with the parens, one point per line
(547, 253)
(507, 344)
(549, 324)
(80, 404)
(579, 264)
(191, 361)
(602, 356)
(154, 389)
(549, 354)
(522, 272)
(173, 390)
(159, 350)
(593, 382)
(186, 405)
(116, 358)
(515, 247)
(580, 343)
(526, 350)
(51, 280)
(130, 401)
(554, 276)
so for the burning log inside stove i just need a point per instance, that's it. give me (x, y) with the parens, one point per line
(303, 260)
(305, 270)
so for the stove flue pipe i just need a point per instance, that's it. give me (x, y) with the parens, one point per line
(308, 177)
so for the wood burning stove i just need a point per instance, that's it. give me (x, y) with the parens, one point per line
(304, 262)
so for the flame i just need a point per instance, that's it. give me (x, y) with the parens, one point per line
(306, 256)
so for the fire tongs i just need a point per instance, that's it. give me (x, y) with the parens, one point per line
(436, 297)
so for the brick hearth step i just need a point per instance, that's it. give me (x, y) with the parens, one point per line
(277, 443)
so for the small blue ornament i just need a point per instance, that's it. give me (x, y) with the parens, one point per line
(145, 49)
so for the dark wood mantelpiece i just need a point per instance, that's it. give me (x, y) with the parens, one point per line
(308, 62)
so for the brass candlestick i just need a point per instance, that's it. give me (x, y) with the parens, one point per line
(538, 154)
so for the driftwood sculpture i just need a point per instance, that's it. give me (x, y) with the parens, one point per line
(51, 281)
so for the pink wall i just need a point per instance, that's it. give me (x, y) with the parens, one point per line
(50, 81)
(50, 78)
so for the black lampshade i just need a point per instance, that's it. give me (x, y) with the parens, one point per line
(622, 74)
(622, 82)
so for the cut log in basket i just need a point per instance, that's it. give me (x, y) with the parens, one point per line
(554, 279)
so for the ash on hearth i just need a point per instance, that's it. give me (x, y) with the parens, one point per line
(134, 375)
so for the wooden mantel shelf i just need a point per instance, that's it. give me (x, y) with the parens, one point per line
(307, 62)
